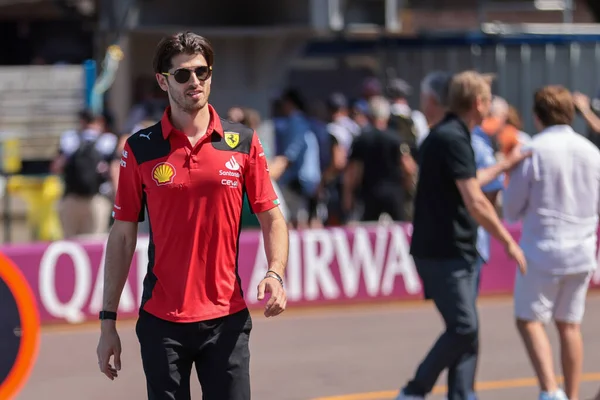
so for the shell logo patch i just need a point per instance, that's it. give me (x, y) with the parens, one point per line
(163, 173)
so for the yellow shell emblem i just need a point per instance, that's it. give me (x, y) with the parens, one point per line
(163, 173)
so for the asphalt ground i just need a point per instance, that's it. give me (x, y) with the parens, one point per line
(338, 353)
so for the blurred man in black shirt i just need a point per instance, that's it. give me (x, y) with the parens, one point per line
(448, 206)
(378, 161)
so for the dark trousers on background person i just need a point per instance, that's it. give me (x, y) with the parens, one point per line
(450, 284)
(218, 348)
(479, 264)
(478, 267)
(383, 201)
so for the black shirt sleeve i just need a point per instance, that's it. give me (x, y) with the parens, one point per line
(116, 155)
(459, 156)
(357, 149)
(332, 140)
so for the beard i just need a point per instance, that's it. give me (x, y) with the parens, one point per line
(186, 103)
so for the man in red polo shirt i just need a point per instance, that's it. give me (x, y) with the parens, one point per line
(190, 171)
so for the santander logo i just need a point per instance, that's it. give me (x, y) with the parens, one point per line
(232, 164)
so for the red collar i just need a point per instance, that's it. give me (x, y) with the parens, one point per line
(213, 126)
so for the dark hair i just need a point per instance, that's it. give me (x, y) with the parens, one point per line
(181, 43)
(293, 96)
(336, 102)
(553, 105)
(86, 116)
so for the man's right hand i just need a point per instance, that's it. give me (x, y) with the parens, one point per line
(109, 346)
(514, 251)
(582, 102)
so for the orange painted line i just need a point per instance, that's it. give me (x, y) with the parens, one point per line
(30, 328)
(305, 311)
(441, 389)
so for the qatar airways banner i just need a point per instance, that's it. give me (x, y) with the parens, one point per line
(335, 265)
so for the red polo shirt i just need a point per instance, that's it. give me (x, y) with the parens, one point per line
(194, 196)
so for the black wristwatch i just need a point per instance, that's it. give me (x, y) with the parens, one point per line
(108, 315)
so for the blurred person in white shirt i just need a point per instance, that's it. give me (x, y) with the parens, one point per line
(359, 112)
(398, 91)
(341, 126)
(83, 161)
(556, 194)
(342, 131)
(410, 125)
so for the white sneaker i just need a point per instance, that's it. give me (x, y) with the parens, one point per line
(402, 396)
(558, 395)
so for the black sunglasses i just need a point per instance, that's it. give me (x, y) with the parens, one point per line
(182, 75)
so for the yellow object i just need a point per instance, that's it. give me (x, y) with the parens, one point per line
(115, 52)
(232, 139)
(11, 156)
(163, 173)
(41, 195)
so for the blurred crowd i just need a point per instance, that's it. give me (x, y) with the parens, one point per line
(333, 161)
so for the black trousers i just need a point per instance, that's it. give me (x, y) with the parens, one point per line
(375, 205)
(451, 284)
(218, 348)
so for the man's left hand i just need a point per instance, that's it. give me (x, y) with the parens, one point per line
(278, 301)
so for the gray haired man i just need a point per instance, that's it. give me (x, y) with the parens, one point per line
(434, 97)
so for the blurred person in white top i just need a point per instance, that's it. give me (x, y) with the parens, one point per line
(341, 126)
(398, 92)
(341, 130)
(556, 194)
(83, 161)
